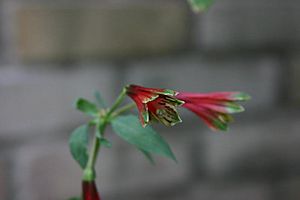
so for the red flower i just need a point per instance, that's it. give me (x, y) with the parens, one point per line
(160, 104)
(90, 191)
(155, 104)
(214, 108)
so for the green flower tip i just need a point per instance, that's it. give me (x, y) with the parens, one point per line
(220, 126)
(241, 96)
(234, 108)
(145, 116)
(169, 92)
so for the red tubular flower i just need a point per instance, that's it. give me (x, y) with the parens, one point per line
(214, 108)
(90, 191)
(160, 104)
(155, 104)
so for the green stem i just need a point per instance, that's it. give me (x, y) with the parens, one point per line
(89, 173)
(122, 110)
(117, 102)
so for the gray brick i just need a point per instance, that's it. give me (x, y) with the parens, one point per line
(293, 79)
(230, 191)
(4, 179)
(262, 149)
(258, 76)
(46, 171)
(235, 24)
(38, 101)
(289, 189)
(74, 31)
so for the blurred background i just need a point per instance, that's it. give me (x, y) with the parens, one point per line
(52, 52)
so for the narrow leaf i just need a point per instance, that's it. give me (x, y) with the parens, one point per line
(98, 127)
(129, 128)
(87, 107)
(200, 5)
(99, 99)
(78, 145)
(148, 156)
(105, 143)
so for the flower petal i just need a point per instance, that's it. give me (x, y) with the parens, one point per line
(143, 94)
(214, 108)
(215, 120)
(222, 96)
(142, 108)
(222, 107)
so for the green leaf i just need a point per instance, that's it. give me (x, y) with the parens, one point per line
(200, 5)
(98, 125)
(130, 129)
(105, 143)
(148, 156)
(87, 107)
(78, 144)
(100, 100)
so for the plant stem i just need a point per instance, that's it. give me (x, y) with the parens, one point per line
(89, 173)
(117, 102)
(123, 109)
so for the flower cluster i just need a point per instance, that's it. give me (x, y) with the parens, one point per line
(161, 105)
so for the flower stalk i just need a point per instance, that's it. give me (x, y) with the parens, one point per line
(89, 173)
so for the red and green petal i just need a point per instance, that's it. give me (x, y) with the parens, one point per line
(155, 104)
(214, 120)
(222, 96)
(214, 108)
(142, 108)
(143, 94)
(220, 106)
(149, 94)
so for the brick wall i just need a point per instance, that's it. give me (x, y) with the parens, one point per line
(53, 52)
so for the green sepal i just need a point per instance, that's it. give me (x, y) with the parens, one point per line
(200, 5)
(78, 144)
(129, 129)
(86, 107)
